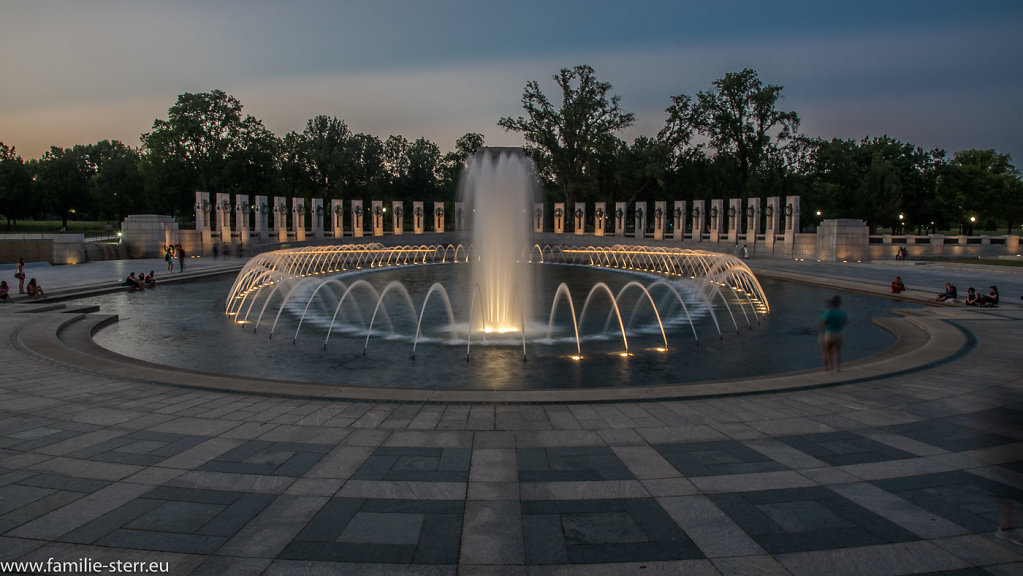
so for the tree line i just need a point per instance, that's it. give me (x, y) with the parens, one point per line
(731, 140)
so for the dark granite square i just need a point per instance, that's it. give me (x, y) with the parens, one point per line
(378, 530)
(571, 465)
(416, 464)
(268, 458)
(175, 519)
(716, 458)
(843, 448)
(947, 434)
(141, 448)
(600, 531)
(183, 517)
(968, 500)
(807, 519)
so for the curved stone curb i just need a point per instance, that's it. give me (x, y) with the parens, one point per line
(922, 340)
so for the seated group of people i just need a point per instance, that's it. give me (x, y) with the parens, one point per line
(140, 282)
(986, 300)
(34, 289)
(951, 294)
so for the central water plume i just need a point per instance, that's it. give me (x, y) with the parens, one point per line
(497, 188)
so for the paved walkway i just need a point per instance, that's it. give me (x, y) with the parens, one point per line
(899, 473)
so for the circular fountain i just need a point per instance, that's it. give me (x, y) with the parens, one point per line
(498, 288)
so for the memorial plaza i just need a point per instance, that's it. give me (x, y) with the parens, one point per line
(905, 462)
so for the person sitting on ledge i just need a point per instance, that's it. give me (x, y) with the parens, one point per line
(897, 285)
(34, 289)
(991, 298)
(949, 295)
(150, 279)
(133, 282)
(972, 298)
(4, 296)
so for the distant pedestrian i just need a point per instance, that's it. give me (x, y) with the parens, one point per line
(168, 255)
(20, 275)
(181, 257)
(215, 251)
(745, 251)
(833, 321)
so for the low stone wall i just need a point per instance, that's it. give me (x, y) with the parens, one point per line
(52, 248)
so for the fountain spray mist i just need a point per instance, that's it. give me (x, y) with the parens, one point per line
(497, 189)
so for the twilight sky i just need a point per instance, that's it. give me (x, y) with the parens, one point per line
(936, 73)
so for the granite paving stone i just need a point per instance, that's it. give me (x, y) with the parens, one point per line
(880, 470)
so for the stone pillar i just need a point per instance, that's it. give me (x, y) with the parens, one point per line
(639, 220)
(734, 219)
(559, 217)
(398, 217)
(438, 217)
(772, 221)
(202, 210)
(418, 218)
(223, 210)
(262, 212)
(281, 218)
(791, 218)
(580, 218)
(679, 213)
(337, 217)
(377, 210)
(538, 217)
(459, 216)
(716, 216)
(356, 211)
(298, 219)
(619, 219)
(319, 217)
(1012, 244)
(242, 210)
(698, 220)
(752, 221)
(660, 219)
(599, 218)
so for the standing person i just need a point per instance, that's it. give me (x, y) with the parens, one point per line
(181, 257)
(169, 257)
(215, 250)
(833, 321)
(745, 251)
(20, 275)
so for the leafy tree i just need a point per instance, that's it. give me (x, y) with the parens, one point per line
(368, 176)
(206, 144)
(116, 184)
(421, 164)
(985, 184)
(15, 186)
(61, 178)
(565, 141)
(739, 118)
(322, 154)
(453, 162)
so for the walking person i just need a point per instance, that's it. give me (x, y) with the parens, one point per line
(833, 321)
(20, 275)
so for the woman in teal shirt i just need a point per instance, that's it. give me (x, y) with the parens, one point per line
(832, 322)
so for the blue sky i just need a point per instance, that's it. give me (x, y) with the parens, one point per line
(936, 74)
